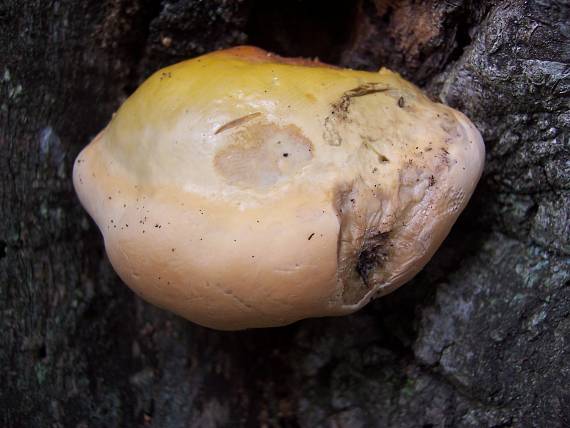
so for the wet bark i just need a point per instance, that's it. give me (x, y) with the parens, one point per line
(480, 338)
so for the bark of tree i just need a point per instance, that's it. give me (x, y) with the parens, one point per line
(480, 338)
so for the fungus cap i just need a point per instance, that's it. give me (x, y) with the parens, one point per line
(240, 189)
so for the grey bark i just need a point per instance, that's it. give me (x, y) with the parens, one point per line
(480, 338)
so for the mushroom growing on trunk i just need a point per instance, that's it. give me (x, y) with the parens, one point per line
(241, 189)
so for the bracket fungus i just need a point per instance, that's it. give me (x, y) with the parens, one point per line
(241, 189)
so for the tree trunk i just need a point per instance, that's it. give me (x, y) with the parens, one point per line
(480, 338)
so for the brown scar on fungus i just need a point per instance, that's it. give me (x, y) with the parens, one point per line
(254, 159)
(237, 122)
(372, 255)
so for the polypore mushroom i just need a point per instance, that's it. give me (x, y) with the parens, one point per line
(242, 189)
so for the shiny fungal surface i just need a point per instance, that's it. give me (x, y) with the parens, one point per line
(241, 189)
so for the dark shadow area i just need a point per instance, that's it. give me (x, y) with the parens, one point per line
(306, 28)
